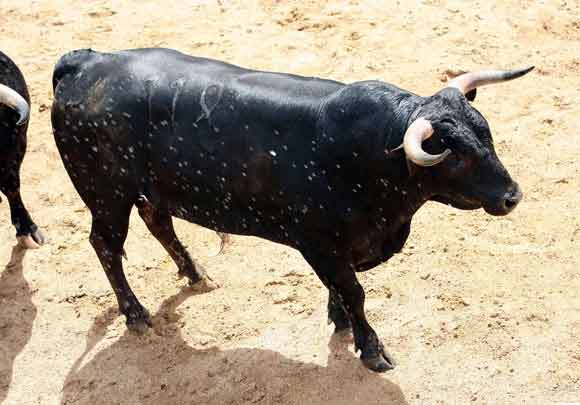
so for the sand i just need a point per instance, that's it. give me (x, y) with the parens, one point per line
(476, 309)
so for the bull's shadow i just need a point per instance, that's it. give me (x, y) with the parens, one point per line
(166, 370)
(17, 313)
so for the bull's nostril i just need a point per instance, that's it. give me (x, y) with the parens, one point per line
(511, 200)
(511, 203)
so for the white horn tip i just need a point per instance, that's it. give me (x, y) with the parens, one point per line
(524, 71)
(22, 120)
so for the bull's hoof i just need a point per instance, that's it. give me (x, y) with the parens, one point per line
(380, 363)
(139, 323)
(32, 241)
(205, 284)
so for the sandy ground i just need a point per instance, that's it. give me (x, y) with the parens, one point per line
(476, 309)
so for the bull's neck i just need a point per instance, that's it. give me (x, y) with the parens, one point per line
(403, 107)
(364, 121)
(404, 188)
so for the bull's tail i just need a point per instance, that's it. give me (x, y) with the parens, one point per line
(70, 64)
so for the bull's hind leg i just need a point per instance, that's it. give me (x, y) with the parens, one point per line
(108, 236)
(160, 224)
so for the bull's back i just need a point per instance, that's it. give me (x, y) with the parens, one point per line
(144, 81)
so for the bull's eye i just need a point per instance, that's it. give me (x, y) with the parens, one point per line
(447, 121)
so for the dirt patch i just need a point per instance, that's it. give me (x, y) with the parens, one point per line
(476, 309)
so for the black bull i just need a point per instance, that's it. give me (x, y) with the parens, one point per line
(14, 113)
(309, 163)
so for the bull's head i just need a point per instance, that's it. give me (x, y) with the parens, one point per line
(450, 135)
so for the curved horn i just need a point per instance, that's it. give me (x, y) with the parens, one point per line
(469, 81)
(417, 132)
(15, 101)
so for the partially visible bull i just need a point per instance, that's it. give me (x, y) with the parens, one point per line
(296, 160)
(14, 114)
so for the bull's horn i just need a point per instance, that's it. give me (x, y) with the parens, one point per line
(15, 101)
(469, 81)
(417, 132)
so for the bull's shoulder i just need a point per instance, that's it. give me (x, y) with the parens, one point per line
(367, 113)
(353, 114)
(363, 99)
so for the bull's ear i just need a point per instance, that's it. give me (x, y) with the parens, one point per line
(470, 95)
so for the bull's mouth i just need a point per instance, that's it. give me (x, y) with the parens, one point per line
(495, 211)
(500, 209)
(506, 203)
(463, 204)
(493, 206)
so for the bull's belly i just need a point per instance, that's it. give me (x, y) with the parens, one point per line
(226, 216)
(296, 229)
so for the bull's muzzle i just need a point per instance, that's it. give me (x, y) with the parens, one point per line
(507, 203)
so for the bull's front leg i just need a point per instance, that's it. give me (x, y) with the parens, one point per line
(340, 279)
(27, 233)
